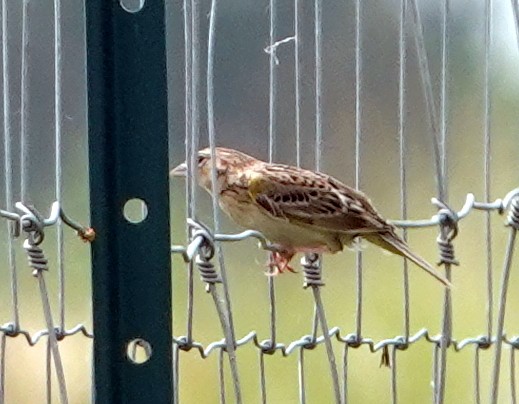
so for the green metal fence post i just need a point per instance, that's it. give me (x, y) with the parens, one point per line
(128, 145)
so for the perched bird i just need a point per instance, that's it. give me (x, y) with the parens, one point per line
(296, 209)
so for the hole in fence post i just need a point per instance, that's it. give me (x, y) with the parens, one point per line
(135, 210)
(138, 351)
(132, 6)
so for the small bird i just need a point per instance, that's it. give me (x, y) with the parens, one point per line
(297, 210)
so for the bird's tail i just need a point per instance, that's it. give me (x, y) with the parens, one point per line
(393, 243)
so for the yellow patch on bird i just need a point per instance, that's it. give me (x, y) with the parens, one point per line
(256, 182)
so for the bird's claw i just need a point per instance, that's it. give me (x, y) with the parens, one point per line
(278, 264)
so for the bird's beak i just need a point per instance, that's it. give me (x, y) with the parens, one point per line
(179, 171)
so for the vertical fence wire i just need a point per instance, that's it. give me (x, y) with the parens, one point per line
(512, 221)
(191, 136)
(515, 12)
(328, 343)
(319, 308)
(430, 106)
(8, 165)
(263, 381)
(438, 135)
(318, 17)
(513, 391)
(486, 167)
(477, 378)
(301, 375)
(272, 150)
(221, 376)
(228, 321)
(52, 340)
(358, 138)
(505, 278)
(443, 194)
(345, 374)
(297, 77)
(403, 153)
(394, 380)
(58, 105)
(175, 365)
(24, 102)
(3, 339)
(272, 81)
(48, 371)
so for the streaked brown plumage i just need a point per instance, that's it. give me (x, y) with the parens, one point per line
(299, 210)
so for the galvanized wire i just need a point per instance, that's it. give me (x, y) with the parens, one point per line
(191, 108)
(329, 337)
(513, 221)
(513, 391)
(273, 84)
(403, 151)
(358, 142)
(24, 101)
(8, 163)
(297, 77)
(58, 150)
(487, 155)
(22, 220)
(227, 317)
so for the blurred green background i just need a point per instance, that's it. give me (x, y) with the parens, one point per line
(241, 102)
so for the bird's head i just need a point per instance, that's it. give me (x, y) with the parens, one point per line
(227, 161)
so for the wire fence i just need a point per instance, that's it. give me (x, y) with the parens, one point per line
(33, 148)
(252, 325)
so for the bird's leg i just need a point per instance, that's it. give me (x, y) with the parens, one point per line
(278, 261)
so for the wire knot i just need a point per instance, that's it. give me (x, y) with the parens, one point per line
(448, 220)
(208, 273)
(311, 264)
(513, 214)
(32, 223)
(204, 253)
(36, 257)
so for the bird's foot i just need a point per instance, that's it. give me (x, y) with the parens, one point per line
(278, 262)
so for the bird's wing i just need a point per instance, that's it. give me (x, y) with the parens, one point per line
(313, 199)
